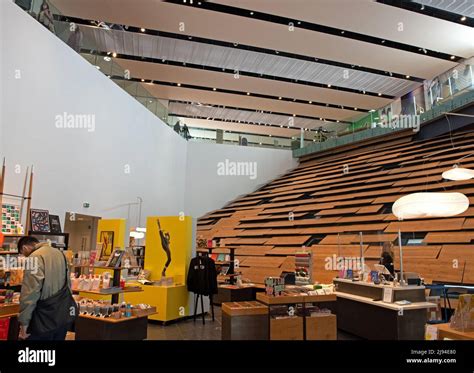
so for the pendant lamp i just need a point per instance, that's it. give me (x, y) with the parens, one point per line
(430, 205)
(458, 173)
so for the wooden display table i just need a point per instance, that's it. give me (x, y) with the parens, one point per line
(234, 293)
(126, 328)
(361, 311)
(445, 331)
(11, 310)
(300, 325)
(244, 321)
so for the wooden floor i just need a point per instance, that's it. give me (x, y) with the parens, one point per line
(331, 197)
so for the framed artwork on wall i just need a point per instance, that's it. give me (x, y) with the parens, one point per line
(10, 219)
(107, 241)
(54, 224)
(40, 220)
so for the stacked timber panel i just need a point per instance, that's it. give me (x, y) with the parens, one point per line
(330, 197)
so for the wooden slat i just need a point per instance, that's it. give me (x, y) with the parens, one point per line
(351, 210)
(283, 250)
(282, 241)
(251, 250)
(372, 209)
(449, 237)
(435, 269)
(245, 241)
(455, 224)
(458, 252)
(371, 238)
(359, 218)
(338, 239)
(469, 273)
(263, 261)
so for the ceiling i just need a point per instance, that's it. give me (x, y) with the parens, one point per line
(265, 61)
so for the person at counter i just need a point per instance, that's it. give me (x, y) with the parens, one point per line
(387, 256)
(46, 303)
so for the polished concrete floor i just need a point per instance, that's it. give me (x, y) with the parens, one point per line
(188, 329)
(195, 330)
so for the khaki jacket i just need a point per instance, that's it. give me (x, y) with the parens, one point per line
(41, 282)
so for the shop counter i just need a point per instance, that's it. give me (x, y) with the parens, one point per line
(361, 310)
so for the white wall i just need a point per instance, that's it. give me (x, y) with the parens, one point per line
(207, 191)
(73, 166)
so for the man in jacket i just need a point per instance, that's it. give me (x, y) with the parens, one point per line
(40, 283)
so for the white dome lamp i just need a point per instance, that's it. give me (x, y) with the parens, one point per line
(458, 173)
(427, 205)
(430, 205)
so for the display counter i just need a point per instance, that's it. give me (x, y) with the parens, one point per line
(295, 316)
(244, 321)
(362, 311)
(235, 293)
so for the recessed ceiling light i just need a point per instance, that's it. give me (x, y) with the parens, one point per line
(260, 143)
(380, 94)
(371, 111)
(179, 84)
(114, 54)
(142, 30)
(279, 98)
(251, 13)
(363, 92)
(407, 76)
(355, 108)
(337, 121)
(107, 58)
(270, 135)
(98, 67)
(294, 115)
(329, 85)
(422, 7)
(342, 32)
(383, 41)
(143, 80)
(452, 57)
(214, 89)
(108, 76)
(248, 93)
(463, 18)
(281, 126)
(320, 118)
(310, 102)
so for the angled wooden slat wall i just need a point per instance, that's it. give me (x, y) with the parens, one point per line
(270, 224)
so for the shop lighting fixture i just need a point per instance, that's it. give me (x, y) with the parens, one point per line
(430, 205)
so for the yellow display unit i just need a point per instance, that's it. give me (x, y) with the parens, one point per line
(171, 301)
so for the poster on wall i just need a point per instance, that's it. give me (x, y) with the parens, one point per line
(107, 242)
(10, 219)
(55, 224)
(39, 220)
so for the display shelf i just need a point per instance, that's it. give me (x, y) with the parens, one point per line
(9, 309)
(113, 292)
(105, 267)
